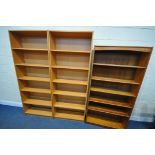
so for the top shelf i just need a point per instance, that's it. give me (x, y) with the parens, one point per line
(30, 49)
(123, 48)
(71, 51)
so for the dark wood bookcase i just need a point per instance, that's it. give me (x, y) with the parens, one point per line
(117, 74)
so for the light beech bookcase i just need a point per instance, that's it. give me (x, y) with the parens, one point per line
(53, 69)
(61, 77)
(117, 74)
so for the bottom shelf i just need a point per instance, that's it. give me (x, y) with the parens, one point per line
(104, 122)
(69, 116)
(38, 102)
(69, 106)
(39, 112)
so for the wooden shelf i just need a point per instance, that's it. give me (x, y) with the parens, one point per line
(115, 92)
(109, 111)
(76, 82)
(71, 51)
(123, 48)
(41, 54)
(39, 112)
(69, 93)
(114, 83)
(63, 59)
(69, 106)
(31, 65)
(104, 122)
(70, 67)
(38, 102)
(36, 90)
(30, 78)
(114, 65)
(69, 116)
(110, 102)
(114, 80)
(30, 49)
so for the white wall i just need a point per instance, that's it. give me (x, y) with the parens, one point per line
(135, 36)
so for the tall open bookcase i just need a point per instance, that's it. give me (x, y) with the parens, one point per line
(59, 76)
(53, 69)
(117, 74)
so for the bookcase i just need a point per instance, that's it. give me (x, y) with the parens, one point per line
(117, 74)
(70, 67)
(31, 59)
(60, 77)
(53, 69)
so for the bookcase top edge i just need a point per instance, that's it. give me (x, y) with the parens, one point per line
(136, 48)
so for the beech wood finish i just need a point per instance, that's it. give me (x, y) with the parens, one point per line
(53, 69)
(59, 76)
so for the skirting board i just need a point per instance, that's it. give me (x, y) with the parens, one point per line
(134, 118)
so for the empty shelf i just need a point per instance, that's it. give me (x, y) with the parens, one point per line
(38, 102)
(114, 80)
(31, 65)
(105, 122)
(71, 51)
(70, 67)
(69, 93)
(115, 92)
(30, 78)
(109, 111)
(110, 102)
(77, 82)
(69, 116)
(114, 65)
(36, 90)
(38, 112)
(30, 49)
(69, 106)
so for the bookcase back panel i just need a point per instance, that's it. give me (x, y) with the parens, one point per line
(34, 42)
(33, 107)
(37, 72)
(111, 85)
(112, 108)
(117, 57)
(110, 97)
(31, 57)
(75, 112)
(113, 72)
(73, 44)
(29, 39)
(39, 96)
(70, 99)
(36, 58)
(72, 74)
(72, 60)
(36, 84)
(105, 116)
(70, 87)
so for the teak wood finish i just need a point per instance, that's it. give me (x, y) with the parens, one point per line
(53, 69)
(59, 76)
(116, 77)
